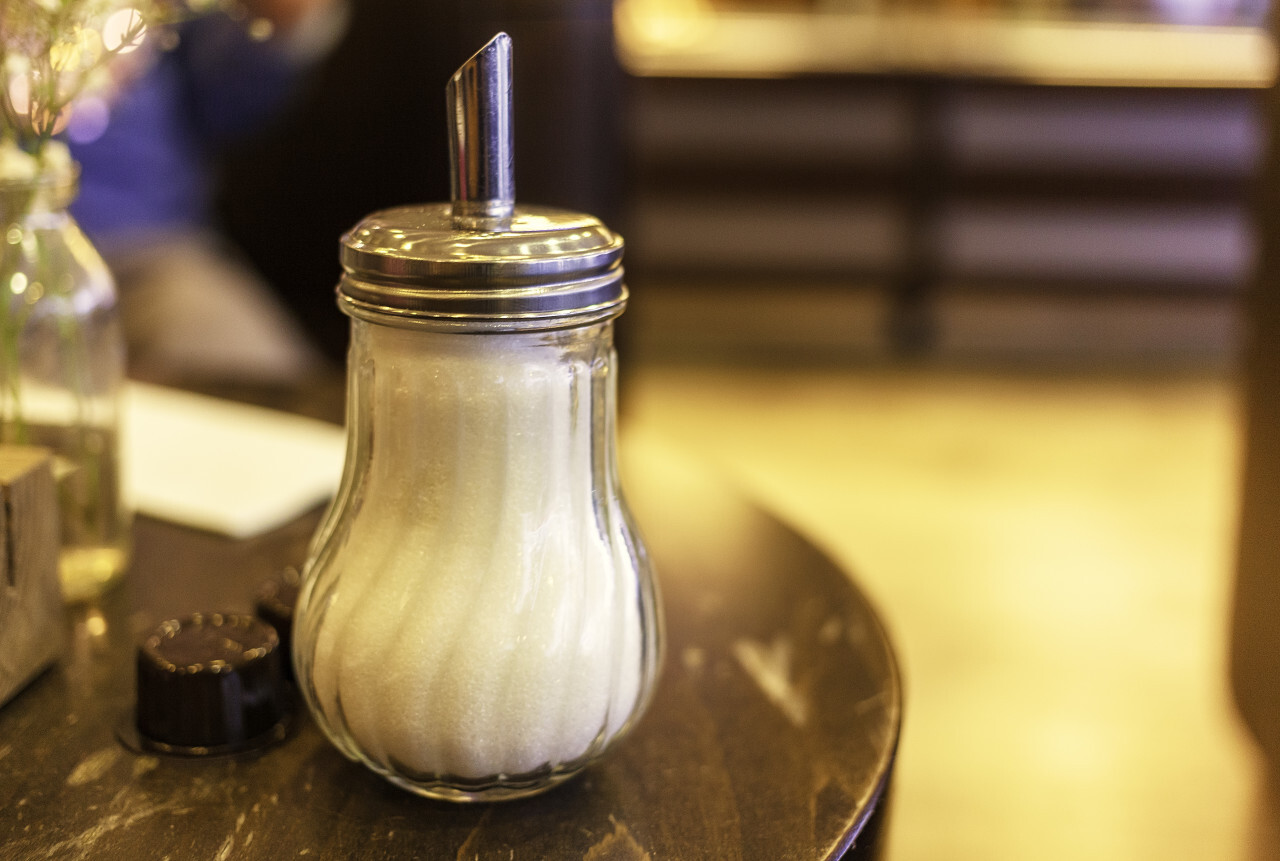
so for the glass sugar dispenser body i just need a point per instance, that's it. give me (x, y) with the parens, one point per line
(478, 617)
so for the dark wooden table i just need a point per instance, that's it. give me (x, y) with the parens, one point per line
(771, 736)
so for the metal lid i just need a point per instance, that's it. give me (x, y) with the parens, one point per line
(479, 263)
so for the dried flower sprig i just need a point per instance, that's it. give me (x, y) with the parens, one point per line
(52, 52)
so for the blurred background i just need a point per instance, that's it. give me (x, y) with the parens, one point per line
(968, 292)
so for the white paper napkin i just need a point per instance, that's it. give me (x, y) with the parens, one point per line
(230, 468)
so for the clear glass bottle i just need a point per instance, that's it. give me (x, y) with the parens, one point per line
(478, 618)
(62, 366)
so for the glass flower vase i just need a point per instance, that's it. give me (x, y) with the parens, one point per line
(62, 370)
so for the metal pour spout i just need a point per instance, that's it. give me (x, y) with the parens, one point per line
(481, 144)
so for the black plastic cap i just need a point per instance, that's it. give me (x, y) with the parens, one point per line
(274, 605)
(210, 683)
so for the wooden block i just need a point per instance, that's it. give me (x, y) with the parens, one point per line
(30, 594)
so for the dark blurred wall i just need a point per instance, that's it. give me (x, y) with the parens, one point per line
(1255, 652)
(368, 131)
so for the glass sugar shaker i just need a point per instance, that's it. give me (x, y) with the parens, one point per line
(478, 618)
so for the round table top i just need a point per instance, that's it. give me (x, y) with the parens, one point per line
(771, 735)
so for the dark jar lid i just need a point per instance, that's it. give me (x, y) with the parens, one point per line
(274, 604)
(210, 684)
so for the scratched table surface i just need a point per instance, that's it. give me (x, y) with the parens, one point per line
(771, 735)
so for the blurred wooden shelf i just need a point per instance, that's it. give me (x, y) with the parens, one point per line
(657, 39)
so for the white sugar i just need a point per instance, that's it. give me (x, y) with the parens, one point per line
(483, 621)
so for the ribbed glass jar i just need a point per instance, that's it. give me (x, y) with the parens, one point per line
(478, 617)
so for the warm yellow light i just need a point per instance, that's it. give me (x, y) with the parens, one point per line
(20, 95)
(80, 49)
(662, 23)
(123, 31)
(260, 29)
(64, 55)
(89, 43)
